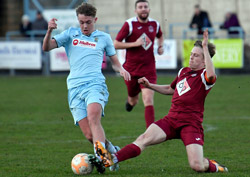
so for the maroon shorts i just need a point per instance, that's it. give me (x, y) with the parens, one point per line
(134, 88)
(188, 132)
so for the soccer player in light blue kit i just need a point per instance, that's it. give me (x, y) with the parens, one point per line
(87, 90)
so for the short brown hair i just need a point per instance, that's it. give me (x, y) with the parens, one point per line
(211, 47)
(140, 1)
(86, 9)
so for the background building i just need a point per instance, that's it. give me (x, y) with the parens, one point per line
(174, 17)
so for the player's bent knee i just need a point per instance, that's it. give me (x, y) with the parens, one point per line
(134, 102)
(93, 121)
(148, 101)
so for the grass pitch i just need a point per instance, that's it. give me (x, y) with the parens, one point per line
(38, 138)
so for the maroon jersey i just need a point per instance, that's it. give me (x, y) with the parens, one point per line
(191, 88)
(140, 60)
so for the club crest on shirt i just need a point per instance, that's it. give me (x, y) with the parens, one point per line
(83, 43)
(147, 41)
(151, 29)
(183, 87)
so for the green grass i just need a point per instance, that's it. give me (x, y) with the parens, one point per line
(38, 138)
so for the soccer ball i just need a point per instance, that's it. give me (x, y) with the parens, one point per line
(81, 165)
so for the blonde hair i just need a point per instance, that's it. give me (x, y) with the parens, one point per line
(211, 47)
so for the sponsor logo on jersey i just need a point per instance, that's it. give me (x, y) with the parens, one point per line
(83, 43)
(151, 29)
(139, 27)
(197, 139)
(75, 41)
(147, 41)
(183, 87)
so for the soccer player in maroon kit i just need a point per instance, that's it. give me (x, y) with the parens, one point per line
(139, 34)
(185, 117)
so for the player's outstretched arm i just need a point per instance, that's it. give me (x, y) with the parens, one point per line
(116, 65)
(163, 89)
(208, 61)
(48, 43)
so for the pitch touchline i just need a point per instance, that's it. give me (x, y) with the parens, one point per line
(209, 128)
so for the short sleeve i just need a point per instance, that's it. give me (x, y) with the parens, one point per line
(123, 33)
(159, 34)
(62, 38)
(203, 78)
(110, 49)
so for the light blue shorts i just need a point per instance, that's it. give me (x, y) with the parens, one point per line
(80, 97)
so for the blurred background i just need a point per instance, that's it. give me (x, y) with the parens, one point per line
(23, 24)
(37, 136)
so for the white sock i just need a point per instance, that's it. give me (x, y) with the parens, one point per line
(110, 147)
(115, 160)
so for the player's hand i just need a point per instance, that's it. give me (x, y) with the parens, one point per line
(125, 74)
(160, 50)
(52, 24)
(205, 38)
(144, 81)
(139, 42)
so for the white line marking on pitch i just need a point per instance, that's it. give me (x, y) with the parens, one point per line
(209, 128)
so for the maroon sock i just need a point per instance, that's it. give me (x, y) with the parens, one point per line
(149, 115)
(129, 151)
(211, 167)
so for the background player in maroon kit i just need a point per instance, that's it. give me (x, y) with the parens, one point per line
(139, 34)
(184, 120)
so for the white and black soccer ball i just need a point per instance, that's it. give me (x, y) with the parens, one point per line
(81, 165)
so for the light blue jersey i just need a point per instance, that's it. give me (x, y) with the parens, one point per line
(86, 83)
(85, 54)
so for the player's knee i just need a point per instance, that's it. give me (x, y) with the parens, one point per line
(148, 98)
(148, 101)
(93, 121)
(134, 102)
(197, 166)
